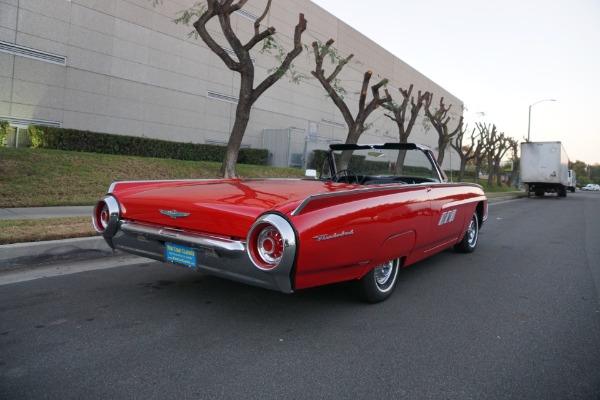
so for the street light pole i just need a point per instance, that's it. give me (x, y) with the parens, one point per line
(529, 121)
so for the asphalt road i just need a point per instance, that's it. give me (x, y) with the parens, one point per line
(517, 319)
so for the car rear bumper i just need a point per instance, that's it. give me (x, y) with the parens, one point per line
(214, 256)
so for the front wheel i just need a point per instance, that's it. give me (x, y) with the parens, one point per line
(469, 241)
(378, 284)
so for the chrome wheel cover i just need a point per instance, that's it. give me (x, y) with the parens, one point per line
(472, 233)
(385, 275)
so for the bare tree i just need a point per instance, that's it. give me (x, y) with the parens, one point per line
(356, 124)
(514, 148)
(241, 63)
(483, 144)
(399, 114)
(491, 144)
(465, 152)
(499, 150)
(440, 119)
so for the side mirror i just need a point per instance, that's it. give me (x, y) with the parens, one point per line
(311, 173)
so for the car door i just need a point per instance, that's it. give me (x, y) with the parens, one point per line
(447, 216)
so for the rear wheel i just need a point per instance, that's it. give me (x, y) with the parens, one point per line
(469, 241)
(378, 284)
(562, 191)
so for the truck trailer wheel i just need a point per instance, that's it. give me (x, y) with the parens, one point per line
(562, 192)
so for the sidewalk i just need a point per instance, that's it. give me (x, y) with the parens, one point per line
(45, 212)
(22, 255)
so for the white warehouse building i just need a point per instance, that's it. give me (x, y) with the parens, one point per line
(123, 67)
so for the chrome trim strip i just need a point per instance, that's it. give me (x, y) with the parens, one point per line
(168, 234)
(302, 205)
(114, 184)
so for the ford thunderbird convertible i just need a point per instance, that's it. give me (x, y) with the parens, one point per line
(370, 211)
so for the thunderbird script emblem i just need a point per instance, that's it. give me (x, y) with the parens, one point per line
(174, 213)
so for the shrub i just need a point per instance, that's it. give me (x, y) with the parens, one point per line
(3, 132)
(94, 142)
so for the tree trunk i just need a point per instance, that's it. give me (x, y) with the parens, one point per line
(441, 150)
(399, 170)
(352, 138)
(490, 170)
(498, 172)
(242, 117)
(478, 169)
(461, 171)
(228, 170)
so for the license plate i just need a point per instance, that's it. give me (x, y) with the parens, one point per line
(182, 255)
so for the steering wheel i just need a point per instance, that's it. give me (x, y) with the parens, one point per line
(345, 174)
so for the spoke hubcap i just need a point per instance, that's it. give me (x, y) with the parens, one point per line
(472, 232)
(384, 272)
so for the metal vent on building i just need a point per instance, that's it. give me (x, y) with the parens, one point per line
(222, 97)
(246, 14)
(15, 121)
(333, 123)
(17, 50)
(234, 56)
(224, 143)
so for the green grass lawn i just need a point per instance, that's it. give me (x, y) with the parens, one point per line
(39, 177)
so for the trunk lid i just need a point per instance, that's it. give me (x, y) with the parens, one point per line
(218, 207)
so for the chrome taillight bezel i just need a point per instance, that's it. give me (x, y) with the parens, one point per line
(271, 242)
(105, 217)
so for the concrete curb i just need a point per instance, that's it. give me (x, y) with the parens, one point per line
(503, 198)
(13, 256)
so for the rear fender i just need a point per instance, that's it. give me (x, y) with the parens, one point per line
(399, 245)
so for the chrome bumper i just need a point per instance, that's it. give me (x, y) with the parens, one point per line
(215, 256)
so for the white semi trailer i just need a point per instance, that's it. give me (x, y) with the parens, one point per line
(544, 168)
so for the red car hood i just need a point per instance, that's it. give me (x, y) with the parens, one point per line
(218, 207)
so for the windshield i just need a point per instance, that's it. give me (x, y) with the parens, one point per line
(382, 164)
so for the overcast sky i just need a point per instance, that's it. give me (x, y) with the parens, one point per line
(499, 58)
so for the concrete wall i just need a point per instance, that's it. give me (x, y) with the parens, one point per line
(128, 69)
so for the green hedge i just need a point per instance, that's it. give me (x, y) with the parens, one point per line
(93, 142)
(319, 157)
(3, 132)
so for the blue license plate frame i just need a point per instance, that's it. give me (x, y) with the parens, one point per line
(181, 255)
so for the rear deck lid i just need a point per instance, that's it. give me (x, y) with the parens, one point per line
(227, 207)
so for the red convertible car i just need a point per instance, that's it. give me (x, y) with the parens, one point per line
(372, 210)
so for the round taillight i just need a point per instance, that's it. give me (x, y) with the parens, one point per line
(270, 245)
(271, 241)
(101, 216)
(106, 215)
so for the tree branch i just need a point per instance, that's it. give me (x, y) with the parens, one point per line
(285, 65)
(259, 20)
